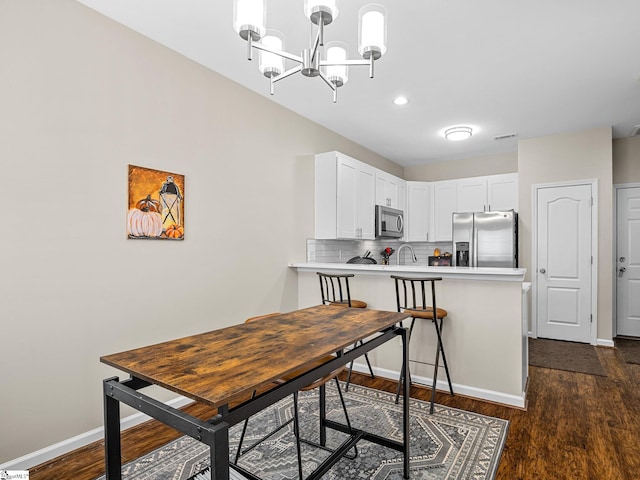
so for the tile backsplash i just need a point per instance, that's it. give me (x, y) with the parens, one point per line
(339, 251)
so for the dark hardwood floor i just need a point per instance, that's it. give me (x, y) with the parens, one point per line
(576, 426)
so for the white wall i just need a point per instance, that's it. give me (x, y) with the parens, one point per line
(569, 157)
(81, 98)
(626, 160)
(468, 167)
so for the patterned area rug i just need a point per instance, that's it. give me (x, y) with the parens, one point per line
(450, 444)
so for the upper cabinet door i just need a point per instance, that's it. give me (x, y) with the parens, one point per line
(402, 195)
(472, 194)
(417, 212)
(390, 190)
(502, 192)
(365, 202)
(347, 174)
(484, 194)
(445, 198)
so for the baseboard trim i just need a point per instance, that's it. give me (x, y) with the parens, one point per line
(61, 448)
(518, 401)
(602, 342)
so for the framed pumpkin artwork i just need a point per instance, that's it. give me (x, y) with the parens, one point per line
(156, 204)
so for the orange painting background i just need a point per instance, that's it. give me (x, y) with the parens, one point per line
(147, 181)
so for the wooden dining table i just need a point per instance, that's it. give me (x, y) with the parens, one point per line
(222, 368)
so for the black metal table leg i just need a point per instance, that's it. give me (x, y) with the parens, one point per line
(405, 401)
(219, 451)
(112, 448)
(323, 415)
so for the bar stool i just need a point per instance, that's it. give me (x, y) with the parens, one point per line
(319, 383)
(411, 298)
(334, 289)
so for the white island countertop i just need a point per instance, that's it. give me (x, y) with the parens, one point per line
(466, 273)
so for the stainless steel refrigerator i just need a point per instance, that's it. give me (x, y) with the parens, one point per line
(485, 239)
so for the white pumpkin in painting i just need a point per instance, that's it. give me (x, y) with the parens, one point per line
(144, 224)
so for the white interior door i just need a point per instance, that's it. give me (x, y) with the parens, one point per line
(564, 256)
(628, 262)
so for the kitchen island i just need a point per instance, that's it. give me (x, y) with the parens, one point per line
(484, 335)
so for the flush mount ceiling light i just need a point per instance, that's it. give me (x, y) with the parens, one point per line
(400, 101)
(458, 133)
(330, 63)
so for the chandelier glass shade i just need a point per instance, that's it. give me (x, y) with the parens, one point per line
(372, 31)
(337, 54)
(250, 18)
(314, 10)
(330, 62)
(270, 64)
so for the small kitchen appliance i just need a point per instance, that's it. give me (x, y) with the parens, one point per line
(389, 222)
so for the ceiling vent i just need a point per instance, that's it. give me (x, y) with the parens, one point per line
(504, 137)
(636, 131)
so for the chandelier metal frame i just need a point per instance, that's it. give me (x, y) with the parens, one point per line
(309, 63)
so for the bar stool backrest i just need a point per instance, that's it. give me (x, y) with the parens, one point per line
(334, 288)
(411, 293)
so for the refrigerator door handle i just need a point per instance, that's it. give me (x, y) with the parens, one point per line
(473, 252)
(474, 247)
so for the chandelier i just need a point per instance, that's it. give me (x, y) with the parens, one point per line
(329, 62)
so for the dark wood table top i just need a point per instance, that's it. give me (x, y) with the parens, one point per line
(220, 366)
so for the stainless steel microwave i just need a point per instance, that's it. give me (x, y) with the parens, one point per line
(389, 222)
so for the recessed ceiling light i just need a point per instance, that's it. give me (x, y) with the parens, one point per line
(400, 101)
(458, 133)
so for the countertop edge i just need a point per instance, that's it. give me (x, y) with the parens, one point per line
(463, 273)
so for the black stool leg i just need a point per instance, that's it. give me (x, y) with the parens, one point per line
(444, 358)
(366, 357)
(440, 348)
(244, 431)
(346, 415)
(401, 379)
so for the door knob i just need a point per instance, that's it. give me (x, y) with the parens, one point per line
(622, 269)
(543, 271)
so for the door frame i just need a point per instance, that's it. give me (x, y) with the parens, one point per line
(594, 253)
(614, 251)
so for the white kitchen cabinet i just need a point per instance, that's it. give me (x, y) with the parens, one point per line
(390, 190)
(345, 197)
(444, 201)
(402, 195)
(417, 215)
(472, 194)
(492, 192)
(502, 192)
(365, 193)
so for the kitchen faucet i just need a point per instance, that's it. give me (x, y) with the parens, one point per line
(413, 254)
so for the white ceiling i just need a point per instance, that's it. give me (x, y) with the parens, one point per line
(501, 66)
